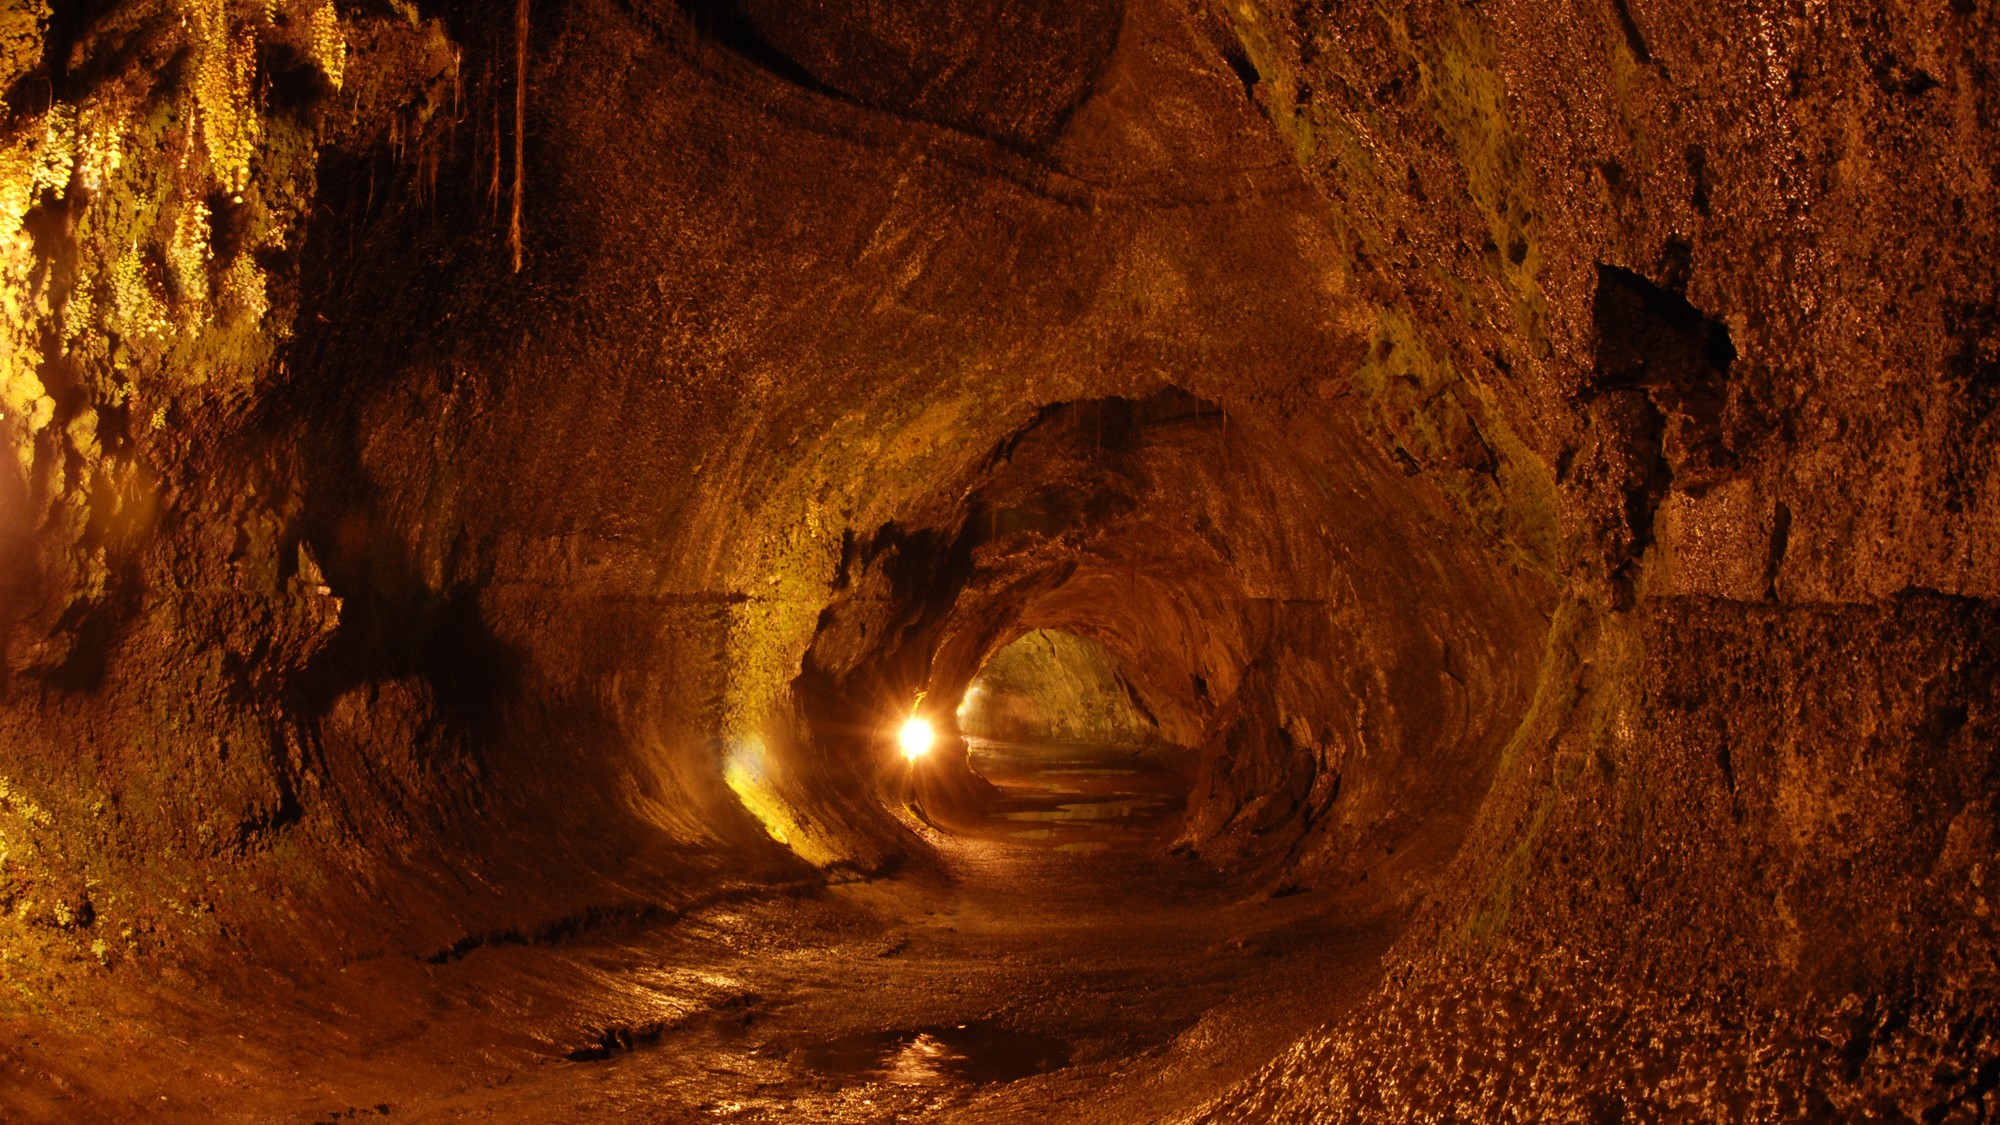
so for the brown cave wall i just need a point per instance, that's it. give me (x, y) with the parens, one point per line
(832, 343)
(363, 594)
(1749, 878)
(1728, 269)
(513, 584)
(162, 164)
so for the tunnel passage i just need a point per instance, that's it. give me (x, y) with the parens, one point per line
(1275, 601)
(1048, 686)
(1065, 737)
(491, 481)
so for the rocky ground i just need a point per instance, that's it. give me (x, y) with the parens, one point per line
(1063, 965)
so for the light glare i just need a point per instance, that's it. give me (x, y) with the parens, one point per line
(916, 738)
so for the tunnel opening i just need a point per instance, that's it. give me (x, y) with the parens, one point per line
(1245, 635)
(1074, 753)
(1210, 691)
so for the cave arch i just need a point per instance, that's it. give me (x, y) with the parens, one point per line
(1223, 558)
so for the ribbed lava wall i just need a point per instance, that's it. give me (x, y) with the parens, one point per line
(1286, 600)
(1541, 458)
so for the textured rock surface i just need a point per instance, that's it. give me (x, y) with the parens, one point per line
(1736, 863)
(1541, 458)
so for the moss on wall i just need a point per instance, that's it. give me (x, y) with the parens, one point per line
(156, 185)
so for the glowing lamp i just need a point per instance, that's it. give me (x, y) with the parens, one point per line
(916, 738)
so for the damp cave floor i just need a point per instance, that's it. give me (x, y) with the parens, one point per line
(1069, 967)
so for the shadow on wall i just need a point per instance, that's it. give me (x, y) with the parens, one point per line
(1011, 73)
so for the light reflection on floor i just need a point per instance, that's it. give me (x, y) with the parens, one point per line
(979, 1052)
(1082, 798)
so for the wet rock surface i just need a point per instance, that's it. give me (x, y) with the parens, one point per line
(485, 485)
(1110, 983)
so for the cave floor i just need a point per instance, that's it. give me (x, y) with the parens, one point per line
(1066, 968)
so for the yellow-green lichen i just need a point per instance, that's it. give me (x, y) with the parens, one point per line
(188, 252)
(35, 165)
(243, 293)
(769, 631)
(786, 576)
(1278, 86)
(748, 771)
(100, 148)
(788, 572)
(1627, 74)
(147, 283)
(1559, 692)
(1467, 96)
(22, 25)
(225, 66)
(1586, 699)
(21, 805)
(1427, 412)
(136, 310)
(328, 43)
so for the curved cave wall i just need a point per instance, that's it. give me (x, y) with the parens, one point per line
(1305, 659)
(1540, 462)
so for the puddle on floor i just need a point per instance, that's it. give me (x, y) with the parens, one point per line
(1087, 773)
(1091, 810)
(975, 1053)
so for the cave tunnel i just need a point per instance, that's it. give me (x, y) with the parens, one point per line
(1123, 561)
(1071, 746)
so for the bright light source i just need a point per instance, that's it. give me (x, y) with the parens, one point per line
(916, 738)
